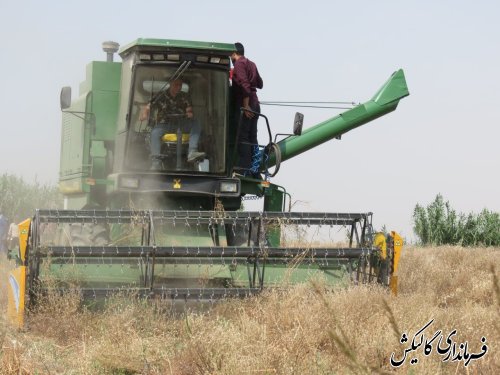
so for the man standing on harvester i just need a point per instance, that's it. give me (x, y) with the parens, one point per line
(246, 80)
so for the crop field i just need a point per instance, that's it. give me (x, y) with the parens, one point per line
(451, 294)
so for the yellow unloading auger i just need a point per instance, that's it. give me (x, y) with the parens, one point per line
(177, 232)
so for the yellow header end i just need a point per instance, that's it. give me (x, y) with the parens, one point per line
(397, 242)
(24, 230)
(398, 247)
(16, 296)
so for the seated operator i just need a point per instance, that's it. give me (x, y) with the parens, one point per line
(172, 102)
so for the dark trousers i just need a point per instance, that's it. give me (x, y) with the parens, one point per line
(247, 139)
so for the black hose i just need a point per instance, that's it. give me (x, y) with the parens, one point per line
(273, 147)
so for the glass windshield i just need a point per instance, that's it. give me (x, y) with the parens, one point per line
(178, 120)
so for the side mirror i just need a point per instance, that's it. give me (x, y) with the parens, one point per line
(65, 97)
(297, 123)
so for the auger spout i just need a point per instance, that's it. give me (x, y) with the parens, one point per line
(384, 101)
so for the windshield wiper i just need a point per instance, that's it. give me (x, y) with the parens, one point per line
(177, 75)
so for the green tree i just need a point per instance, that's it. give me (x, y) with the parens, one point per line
(19, 199)
(439, 224)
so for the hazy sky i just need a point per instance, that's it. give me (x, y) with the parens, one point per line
(443, 138)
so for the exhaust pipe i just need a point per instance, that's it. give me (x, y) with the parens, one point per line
(110, 48)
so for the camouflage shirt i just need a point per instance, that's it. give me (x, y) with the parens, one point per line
(168, 105)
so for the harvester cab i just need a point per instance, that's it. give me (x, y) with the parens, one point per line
(142, 213)
(146, 149)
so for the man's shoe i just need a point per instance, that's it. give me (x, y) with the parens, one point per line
(195, 155)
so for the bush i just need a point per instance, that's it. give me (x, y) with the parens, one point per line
(19, 199)
(439, 224)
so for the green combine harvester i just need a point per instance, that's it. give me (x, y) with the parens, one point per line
(179, 232)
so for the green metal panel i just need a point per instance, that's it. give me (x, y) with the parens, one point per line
(179, 44)
(98, 155)
(101, 75)
(121, 274)
(273, 202)
(89, 121)
(104, 105)
(277, 275)
(251, 186)
(72, 141)
(103, 84)
(273, 199)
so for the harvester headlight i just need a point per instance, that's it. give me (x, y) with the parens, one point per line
(173, 57)
(145, 56)
(158, 57)
(202, 58)
(228, 187)
(129, 182)
(224, 61)
(214, 60)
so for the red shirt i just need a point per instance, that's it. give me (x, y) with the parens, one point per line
(246, 81)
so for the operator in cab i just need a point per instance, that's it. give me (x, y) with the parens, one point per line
(172, 110)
